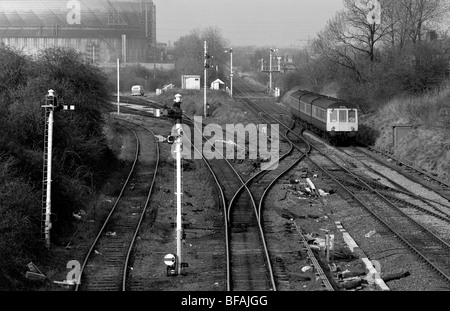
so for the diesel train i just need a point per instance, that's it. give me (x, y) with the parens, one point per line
(329, 117)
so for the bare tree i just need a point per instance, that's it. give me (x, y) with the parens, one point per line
(189, 50)
(410, 20)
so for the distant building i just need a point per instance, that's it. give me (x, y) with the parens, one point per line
(190, 82)
(218, 85)
(103, 29)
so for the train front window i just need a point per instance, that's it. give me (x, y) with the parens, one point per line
(333, 116)
(342, 115)
(352, 116)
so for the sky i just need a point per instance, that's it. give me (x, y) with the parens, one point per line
(278, 23)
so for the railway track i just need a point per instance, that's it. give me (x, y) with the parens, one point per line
(105, 265)
(248, 267)
(262, 183)
(424, 243)
(426, 179)
(228, 186)
(431, 248)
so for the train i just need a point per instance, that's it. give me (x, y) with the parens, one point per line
(331, 118)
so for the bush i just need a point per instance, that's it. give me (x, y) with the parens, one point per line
(80, 152)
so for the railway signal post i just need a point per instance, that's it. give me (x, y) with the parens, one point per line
(51, 105)
(177, 139)
(205, 77)
(270, 70)
(231, 70)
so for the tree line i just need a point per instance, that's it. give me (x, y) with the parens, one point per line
(374, 50)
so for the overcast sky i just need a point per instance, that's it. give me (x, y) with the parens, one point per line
(279, 23)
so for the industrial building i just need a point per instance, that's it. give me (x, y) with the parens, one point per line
(103, 29)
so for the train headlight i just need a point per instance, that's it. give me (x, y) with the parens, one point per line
(333, 128)
(353, 129)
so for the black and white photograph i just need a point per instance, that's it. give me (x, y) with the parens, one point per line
(225, 154)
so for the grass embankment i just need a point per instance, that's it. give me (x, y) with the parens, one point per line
(427, 145)
(222, 108)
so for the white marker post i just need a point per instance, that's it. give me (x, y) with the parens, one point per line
(118, 88)
(205, 78)
(178, 149)
(48, 210)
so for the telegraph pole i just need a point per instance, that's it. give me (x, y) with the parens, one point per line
(270, 71)
(231, 72)
(205, 78)
(118, 88)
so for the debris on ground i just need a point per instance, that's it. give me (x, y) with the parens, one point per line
(323, 193)
(370, 233)
(288, 214)
(306, 268)
(66, 283)
(110, 233)
(34, 273)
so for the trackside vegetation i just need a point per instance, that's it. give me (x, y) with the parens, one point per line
(80, 151)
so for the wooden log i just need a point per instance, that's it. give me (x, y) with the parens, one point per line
(395, 276)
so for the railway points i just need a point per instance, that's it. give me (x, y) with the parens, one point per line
(285, 271)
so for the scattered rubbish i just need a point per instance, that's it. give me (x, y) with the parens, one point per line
(311, 236)
(287, 214)
(34, 273)
(310, 183)
(108, 200)
(217, 283)
(132, 186)
(65, 282)
(315, 176)
(347, 274)
(323, 193)
(77, 216)
(97, 252)
(34, 276)
(370, 233)
(109, 233)
(33, 268)
(294, 181)
(306, 268)
(333, 267)
(344, 254)
(319, 242)
(314, 247)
